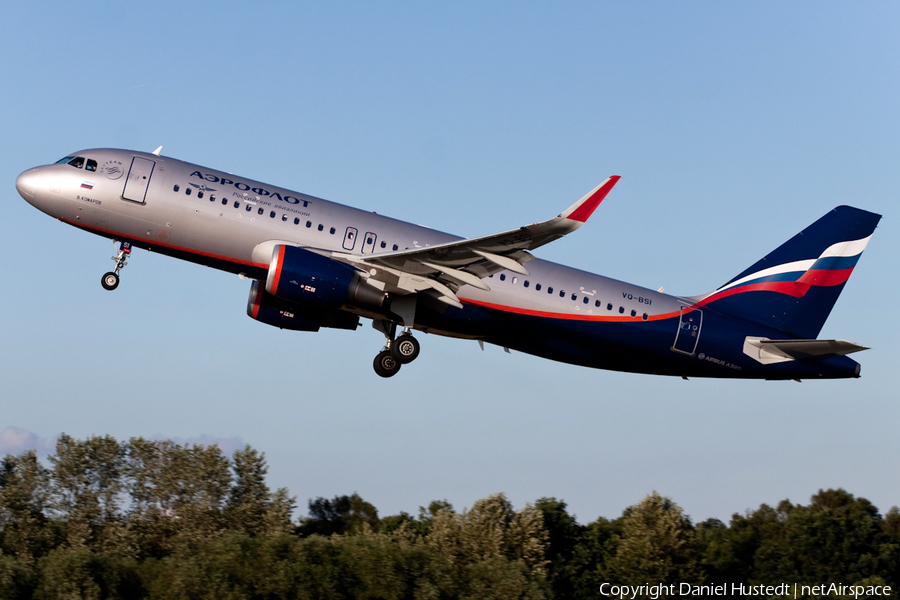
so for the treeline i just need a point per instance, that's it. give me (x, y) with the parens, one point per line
(153, 519)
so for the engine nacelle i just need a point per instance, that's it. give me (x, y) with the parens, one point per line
(268, 309)
(313, 280)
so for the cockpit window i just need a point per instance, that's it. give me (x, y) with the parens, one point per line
(63, 161)
(91, 165)
(77, 162)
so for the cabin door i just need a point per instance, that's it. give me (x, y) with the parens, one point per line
(138, 179)
(688, 333)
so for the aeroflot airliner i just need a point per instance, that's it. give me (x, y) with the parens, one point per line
(314, 264)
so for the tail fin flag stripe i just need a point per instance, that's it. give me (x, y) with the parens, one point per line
(833, 267)
(794, 287)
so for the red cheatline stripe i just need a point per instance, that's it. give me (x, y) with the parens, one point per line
(152, 242)
(587, 208)
(566, 316)
(278, 262)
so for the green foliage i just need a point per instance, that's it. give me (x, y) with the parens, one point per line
(17, 579)
(251, 508)
(657, 544)
(343, 514)
(154, 519)
(25, 529)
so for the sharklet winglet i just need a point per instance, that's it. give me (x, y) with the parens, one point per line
(584, 208)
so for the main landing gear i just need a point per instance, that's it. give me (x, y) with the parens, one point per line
(110, 281)
(397, 352)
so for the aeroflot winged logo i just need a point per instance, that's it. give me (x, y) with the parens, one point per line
(259, 191)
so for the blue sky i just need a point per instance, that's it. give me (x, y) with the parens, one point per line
(732, 125)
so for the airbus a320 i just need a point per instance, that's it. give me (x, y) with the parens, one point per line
(314, 263)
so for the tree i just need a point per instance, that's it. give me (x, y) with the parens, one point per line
(25, 530)
(176, 491)
(337, 516)
(251, 507)
(837, 537)
(87, 482)
(657, 544)
(488, 530)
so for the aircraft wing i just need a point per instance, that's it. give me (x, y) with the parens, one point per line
(443, 268)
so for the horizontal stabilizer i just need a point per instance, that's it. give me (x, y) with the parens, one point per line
(774, 351)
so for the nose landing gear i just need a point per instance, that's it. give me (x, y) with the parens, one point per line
(110, 280)
(396, 352)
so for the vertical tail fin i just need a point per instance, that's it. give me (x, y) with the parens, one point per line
(795, 287)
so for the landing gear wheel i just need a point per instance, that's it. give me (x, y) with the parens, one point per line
(405, 349)
(385, 364)
(110, 281)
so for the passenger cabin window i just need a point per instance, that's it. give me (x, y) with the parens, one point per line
(645, 316)
(296, 220)
(597, 303)
(271, 214)
(237, 204)
(331, 231)
(199, 194)
(562, 293)
(609, 307)
(634, 313)
(574, 297)
(585, 299)
(549, 290)
(260, 211)
(525, 283)
(91, 165)
(176, 188)
(621, 310)
(212, 197)
(320, 227)
(77, 162)
(308, 224)
(284, 217)
(537, 286)
(395, 247)
(502, 277)
(384, 244)
(224, 201)
(187, 191)
(515, 280)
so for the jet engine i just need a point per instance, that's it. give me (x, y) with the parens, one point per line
(313, 280)
(268, 309)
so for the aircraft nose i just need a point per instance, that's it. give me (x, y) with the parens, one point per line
(26, 183)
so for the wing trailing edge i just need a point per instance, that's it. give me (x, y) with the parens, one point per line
(442, 269)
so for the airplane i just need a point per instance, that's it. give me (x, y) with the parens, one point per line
(317, 264)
